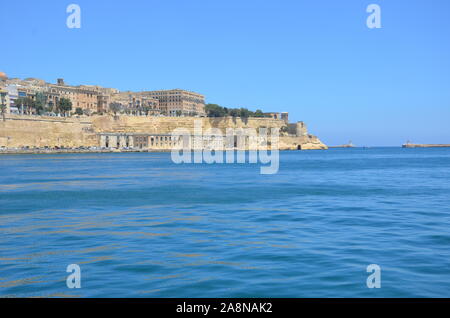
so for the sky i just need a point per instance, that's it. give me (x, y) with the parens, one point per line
(315, 59)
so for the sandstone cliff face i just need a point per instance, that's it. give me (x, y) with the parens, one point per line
(34, 131)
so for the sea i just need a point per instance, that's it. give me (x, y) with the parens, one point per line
(139, 225)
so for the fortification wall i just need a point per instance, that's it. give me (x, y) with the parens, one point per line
(33, 131)
(38, 131)
(307, 142)
(165, 125)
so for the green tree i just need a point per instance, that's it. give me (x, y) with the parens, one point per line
(146, 110)
(245, 113)
(258, 113)
(40, 102)
(51, 106)
(78, 111)
(214, 110)
(25, 104)
(115, 108)
(65, 105)
(234, 112)
(3, 111)
(20, 103)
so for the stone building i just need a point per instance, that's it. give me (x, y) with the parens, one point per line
(96, 99)
(81, 97)
(86, 98)
(13, 94)
(275, 115)
(103, 96)
(143, 141)
(103, 101)
(137, 103)
(4, 101)
(298, 129)
(177, 102)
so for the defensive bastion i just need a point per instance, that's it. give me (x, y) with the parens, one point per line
(18, 131)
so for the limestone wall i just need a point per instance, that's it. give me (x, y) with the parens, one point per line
(165, 125)
(307, 142)
(34, 131)
(38, 131)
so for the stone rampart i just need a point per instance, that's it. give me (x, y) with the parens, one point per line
(38, 131)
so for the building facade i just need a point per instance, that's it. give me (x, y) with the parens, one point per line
(4, 101)
(81, 97)
(176, 102)
(136, 103)
(275, 115)
(96, 99)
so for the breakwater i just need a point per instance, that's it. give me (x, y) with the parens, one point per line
(425, 145)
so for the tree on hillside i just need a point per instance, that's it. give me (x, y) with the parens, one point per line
(115, 108)
(146, 110)
(259, 113)
(40, 102)
(214, 110)
(51, 106)
(233, 112)
(19, 102)
(3, 110)
(65, 105)
(25, 104)
(244, 113)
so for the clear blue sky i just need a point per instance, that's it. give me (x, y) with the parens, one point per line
(315, 59)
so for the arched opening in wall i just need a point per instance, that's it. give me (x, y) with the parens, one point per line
(299, 147)
(107, 142)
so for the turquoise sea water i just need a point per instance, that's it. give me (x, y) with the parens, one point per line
(140, 226)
